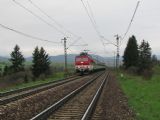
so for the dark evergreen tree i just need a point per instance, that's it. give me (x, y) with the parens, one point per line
(145, 61)
(17, 60)
(6, 70)
(45, 61)
(131, 53)
(36, 63)
(41, 62)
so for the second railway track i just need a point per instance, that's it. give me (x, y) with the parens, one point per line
(78, 104)
(19, 94)
(3, 94)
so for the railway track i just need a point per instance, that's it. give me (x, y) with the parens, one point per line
(22, 93)
(3, 94)
(78, 104)
(30, 106)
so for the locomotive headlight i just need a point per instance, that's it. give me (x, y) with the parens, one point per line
(81, 62)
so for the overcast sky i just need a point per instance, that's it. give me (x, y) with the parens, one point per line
(112, 17)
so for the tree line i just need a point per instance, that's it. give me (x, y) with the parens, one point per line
(138, 58)
(40, 63)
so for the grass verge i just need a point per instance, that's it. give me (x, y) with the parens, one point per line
(143, 95)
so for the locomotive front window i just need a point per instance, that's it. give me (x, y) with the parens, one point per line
(78, 59)
(81, 59)
(84, 59)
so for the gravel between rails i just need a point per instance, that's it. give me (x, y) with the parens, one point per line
(112, 104)
(76, 107)
(28, 107)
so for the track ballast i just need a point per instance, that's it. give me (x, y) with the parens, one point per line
(76, 104)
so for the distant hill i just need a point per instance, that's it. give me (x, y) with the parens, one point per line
(3, 58)
(58, 58)
(70, 58)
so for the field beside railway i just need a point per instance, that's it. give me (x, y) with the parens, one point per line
(143, 95)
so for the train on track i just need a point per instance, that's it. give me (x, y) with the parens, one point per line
(85, 63)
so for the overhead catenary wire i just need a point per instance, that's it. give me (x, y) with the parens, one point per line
(93, 22)
(129, 26)
(58, 24)
(74, 42)
(40, 18)
(91, 19)
(92, 15)
(27, 35)
(52, 19)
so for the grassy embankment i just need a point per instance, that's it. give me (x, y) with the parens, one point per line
(143, 95)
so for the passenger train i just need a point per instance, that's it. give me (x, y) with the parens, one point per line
(85, 63)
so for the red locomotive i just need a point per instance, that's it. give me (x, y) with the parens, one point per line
(84, 63)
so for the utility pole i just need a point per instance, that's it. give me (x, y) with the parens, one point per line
(65, 55)
(117, 44)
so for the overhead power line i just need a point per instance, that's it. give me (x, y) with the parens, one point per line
(129, 26)
(52, 19)
(40, 18)
(94, 24)
(92, 15)
(27, 35)
(91, 19)
(74, 42)
(90, 11)
(58, 24)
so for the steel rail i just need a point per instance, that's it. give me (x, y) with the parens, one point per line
(8, 99)
(87, 115)
(47, 112)
(3, 94)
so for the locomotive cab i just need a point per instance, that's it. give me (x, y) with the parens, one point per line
(84, 63)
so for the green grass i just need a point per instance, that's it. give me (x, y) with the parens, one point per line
(144, 95)
(55, 77)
